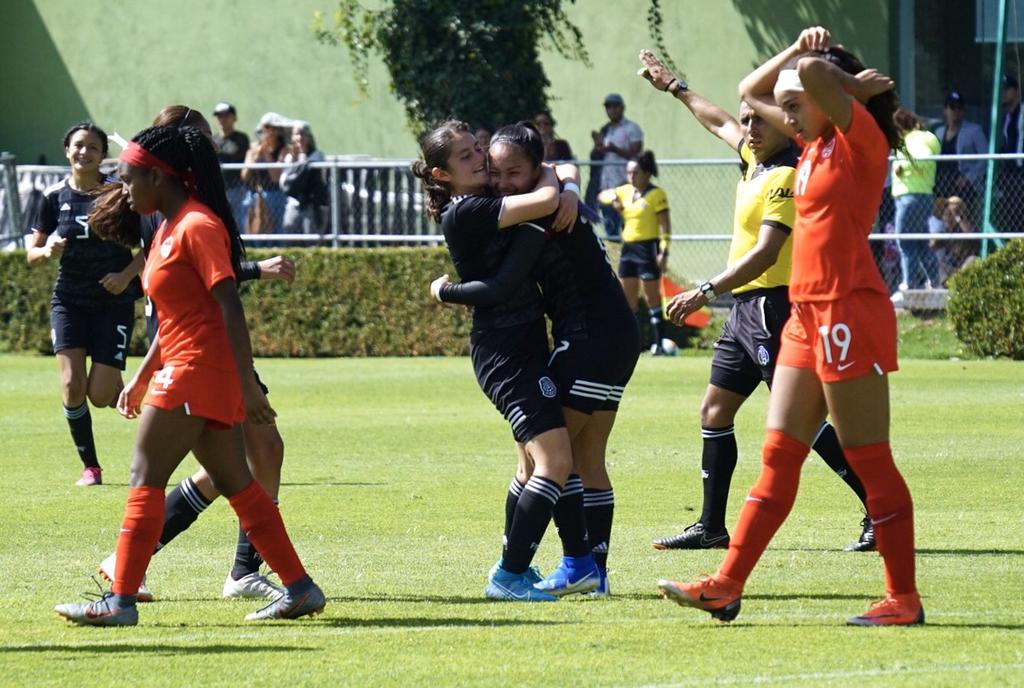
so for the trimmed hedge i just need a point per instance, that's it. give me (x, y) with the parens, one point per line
(986, 303)
(344, 302)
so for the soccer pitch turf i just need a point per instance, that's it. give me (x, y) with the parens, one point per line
(394, 484)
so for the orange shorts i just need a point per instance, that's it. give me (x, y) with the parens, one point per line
(204, 392)
(842, 340)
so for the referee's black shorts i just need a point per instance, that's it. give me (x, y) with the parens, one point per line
(592, 368)
(511, 366)
(748, 346)
(640, 259)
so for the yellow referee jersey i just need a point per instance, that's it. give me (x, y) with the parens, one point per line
(764, 196)
(640, 212)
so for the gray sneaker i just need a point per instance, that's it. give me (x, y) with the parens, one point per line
(102, 612)
(309, 602)
(251, 585)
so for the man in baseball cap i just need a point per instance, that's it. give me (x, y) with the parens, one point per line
(618, 141)
(231, 147)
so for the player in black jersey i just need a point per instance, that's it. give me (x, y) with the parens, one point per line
(596, 345)
(264, 447)
(508, 341)
(92, 310)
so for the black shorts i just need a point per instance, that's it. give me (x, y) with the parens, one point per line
(746, 351)
(640, 259)
(511, 368)
(104, 331)
(592, 369)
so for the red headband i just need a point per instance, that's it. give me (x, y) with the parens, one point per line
(136, 155)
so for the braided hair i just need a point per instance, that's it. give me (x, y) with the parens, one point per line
(436, 147)
(111, 217)
(191, 154)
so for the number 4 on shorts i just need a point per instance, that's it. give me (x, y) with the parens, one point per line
(163, 376)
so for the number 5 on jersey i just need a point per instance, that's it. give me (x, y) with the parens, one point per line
(164, 376)
(838, 336)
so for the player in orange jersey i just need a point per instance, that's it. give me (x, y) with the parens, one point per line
(196, 384)
(840, 342)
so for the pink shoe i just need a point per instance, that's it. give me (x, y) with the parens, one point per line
(91, 475)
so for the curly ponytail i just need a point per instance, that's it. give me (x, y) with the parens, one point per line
(435, 147)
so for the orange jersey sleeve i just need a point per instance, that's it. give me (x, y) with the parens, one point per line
(209, 248)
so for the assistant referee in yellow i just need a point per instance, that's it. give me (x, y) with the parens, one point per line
(757, 274)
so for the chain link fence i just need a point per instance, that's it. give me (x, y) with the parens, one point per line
(355, 202)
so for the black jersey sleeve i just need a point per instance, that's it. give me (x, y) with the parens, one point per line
(45, 220)
(249, 270)
(527, 244)
(474, 221)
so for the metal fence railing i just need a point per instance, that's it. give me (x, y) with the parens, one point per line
(368, 202)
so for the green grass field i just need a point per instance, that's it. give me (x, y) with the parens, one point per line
(395, 476)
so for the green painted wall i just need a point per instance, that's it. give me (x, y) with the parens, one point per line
(120, 62)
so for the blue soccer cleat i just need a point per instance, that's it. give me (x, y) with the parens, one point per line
(603, 589)
(515, 587)
(532, 574)
(573, 575)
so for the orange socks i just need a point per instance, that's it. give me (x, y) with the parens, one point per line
(767, 505)
(891, 511)
(262, 522)
(140, 531)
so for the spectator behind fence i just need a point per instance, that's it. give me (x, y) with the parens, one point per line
(958, 136)
(1009, 208)
(232, 146)
(618, 141)
(913, 182)
(305, 211)
(264, 200)
(554, 147)
(950, 216)
(483, 137)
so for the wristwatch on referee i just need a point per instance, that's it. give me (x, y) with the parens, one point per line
(676, 86)
(708, 291)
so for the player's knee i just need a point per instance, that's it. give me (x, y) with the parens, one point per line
(715, 414)
(266, 452)
(101, 396)
(74, 388)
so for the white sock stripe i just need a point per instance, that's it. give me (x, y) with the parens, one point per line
(818, 434)
(76, 413)
(573, 481)
(192, 495)
(717, 432)
(515, 487)
(591, 502)
(568, 491)
(544, 488)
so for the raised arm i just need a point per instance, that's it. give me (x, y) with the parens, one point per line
(832, 89)
(711, 116)
(758, 86)
(540, 202)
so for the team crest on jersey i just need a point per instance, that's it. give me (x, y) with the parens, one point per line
(547, 387)
(826, 152)
(165, 247)
(763, 357)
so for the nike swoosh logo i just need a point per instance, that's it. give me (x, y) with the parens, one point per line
(705, 540)
(843, 366)
(523, 596)
(703, 598)
(875, 522)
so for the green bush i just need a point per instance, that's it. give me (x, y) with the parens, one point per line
(986, 303)
(346, 302)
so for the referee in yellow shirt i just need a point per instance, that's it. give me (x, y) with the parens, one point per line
(645, 238)
(757, 274)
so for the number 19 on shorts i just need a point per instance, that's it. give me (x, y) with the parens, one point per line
(835, 338)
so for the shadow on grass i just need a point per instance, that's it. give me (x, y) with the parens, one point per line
(161, 649)
(974, 552)
(423, 622)
(439, 599)
(809, 596)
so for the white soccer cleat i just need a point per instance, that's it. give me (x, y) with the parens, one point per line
(251, 585)
(107, 568)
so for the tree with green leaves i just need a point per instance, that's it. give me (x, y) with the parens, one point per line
(478, 61)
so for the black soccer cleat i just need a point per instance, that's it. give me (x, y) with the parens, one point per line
(866, 542)
(694, 537)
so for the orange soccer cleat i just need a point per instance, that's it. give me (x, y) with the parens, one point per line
(720, 598)
(894, 610)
